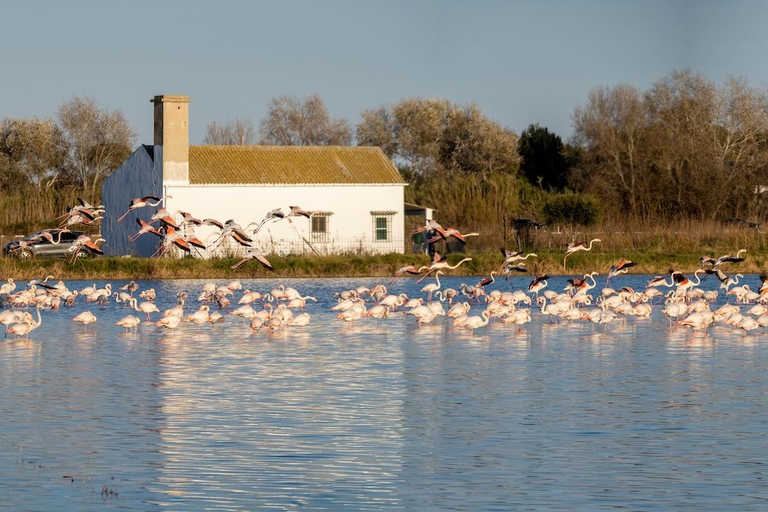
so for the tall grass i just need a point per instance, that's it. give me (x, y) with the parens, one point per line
(31, 209)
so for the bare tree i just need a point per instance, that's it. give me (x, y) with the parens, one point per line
(684, 147)
(239, 132)
(34, 151)
(611, 127)
(99, 140)
(291, 121)
(436, 135)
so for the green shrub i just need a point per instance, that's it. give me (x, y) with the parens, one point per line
(572, 209)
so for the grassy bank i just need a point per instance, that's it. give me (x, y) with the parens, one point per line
(649, 262)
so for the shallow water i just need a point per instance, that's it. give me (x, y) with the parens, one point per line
(386, 415)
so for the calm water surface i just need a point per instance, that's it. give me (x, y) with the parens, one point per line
(378, 416)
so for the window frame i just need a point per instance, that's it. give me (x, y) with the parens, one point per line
(320, 236)
(388, 218)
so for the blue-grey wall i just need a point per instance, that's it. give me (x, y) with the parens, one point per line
(140, 175)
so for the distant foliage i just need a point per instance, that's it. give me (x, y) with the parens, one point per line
(438, 138)
(543, 160)
(291, 121)
(238, 132)
(572, 210)
(686, 147)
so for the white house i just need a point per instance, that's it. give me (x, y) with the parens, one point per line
(355, 194)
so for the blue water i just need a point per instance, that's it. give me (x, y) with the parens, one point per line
(381, 415)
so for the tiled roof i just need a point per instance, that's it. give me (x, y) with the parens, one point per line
(268, 165)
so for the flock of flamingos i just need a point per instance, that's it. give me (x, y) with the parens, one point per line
(469, 307)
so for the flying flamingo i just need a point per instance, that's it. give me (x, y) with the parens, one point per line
(487, 280)
(443, 235)
(408, 269)
(727, 258)
(725, 281)
(513, 256)
(621, 267)
(145, 227)
(141, 202)
(538, 284)
(253, 254)
(441, 264)
(85, 241)
(576, 247)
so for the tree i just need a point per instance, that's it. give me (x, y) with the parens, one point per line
(34, 151)
(455, 158)
(611, 128)
(239, 132)
(291, 121)
(543, 160)
(98, 140)
(439, 136)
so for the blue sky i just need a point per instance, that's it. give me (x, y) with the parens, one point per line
(522, 61)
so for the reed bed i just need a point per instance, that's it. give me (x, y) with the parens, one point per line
(483, 262)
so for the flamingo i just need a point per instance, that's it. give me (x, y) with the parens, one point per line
(141, 202)
(432, 287)
(169, 322)
(487, 280)
(85, 318)
(84, 241)
(473, 322)
(727, 258)
(200, 316)
(576, 247)
(443, 235)
(441, 264)
(253, 254)
(725, 281)
(622, 267)
(144, 307)
(301, 320)
(538, 284)
(408, 269)
(296, 211)
(128, 321)
(513, 256)
(25, 327)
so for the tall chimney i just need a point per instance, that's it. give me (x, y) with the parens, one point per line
(172, 133)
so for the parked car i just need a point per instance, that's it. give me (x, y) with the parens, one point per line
(37, 246)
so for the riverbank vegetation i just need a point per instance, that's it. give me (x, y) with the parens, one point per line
(680, 167)
(656, 260)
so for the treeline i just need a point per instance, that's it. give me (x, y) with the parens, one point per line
(685, 148)
(45, 164)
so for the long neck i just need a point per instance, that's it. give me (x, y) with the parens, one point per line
(459, 263)
(39, 318)
(437, 278)
(135, 304)
(159, 201)
(698, 279)
(590, 245)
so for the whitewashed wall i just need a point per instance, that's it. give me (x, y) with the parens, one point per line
(351, 207)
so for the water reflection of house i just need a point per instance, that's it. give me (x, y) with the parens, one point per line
(356, 193)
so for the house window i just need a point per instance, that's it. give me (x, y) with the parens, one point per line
(319, 227)
(382, 226)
